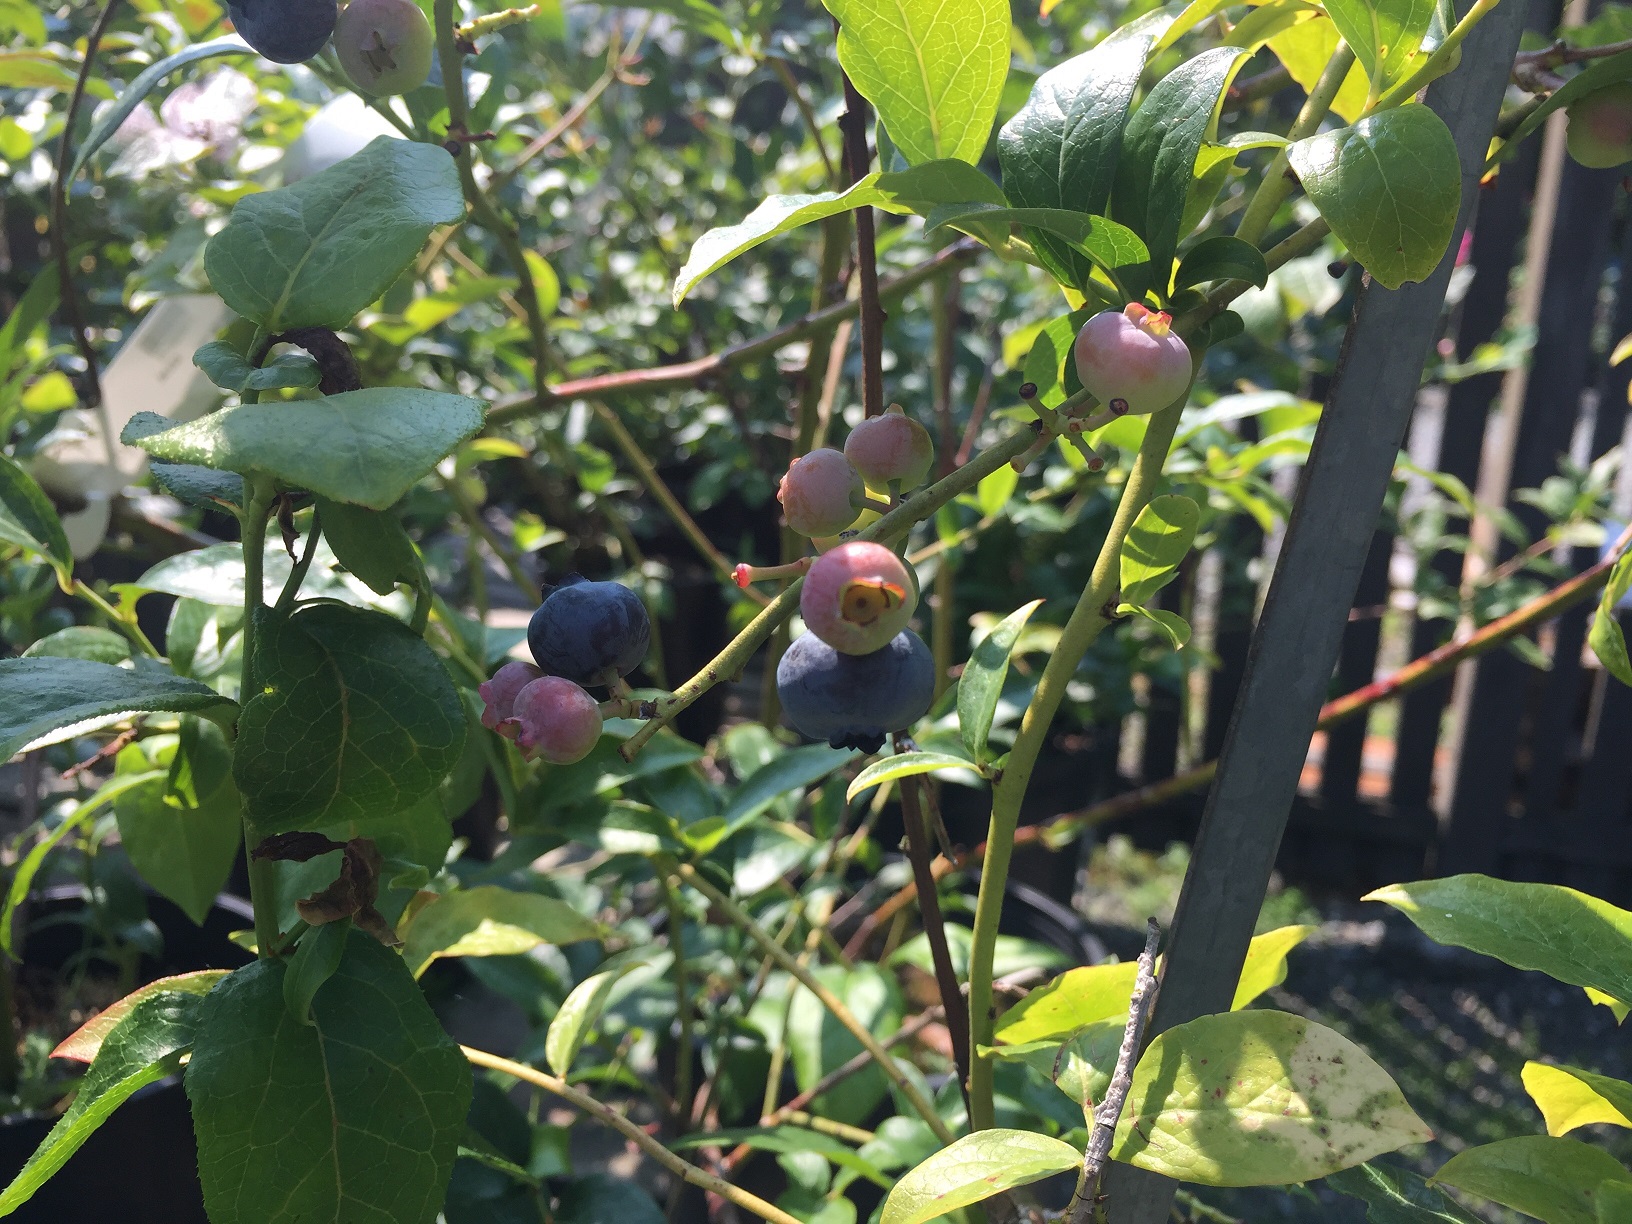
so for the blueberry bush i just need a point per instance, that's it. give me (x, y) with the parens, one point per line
(507, 294)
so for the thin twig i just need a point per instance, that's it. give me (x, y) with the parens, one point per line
(853, 124)
(784, 73)
(650, 1146)
(59, 221)
(1109, 1111)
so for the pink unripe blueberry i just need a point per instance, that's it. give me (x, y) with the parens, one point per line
(1130, 360)
(857, 597)
(385, 46)
(500, 692)
(555, 719)
(821, 494)
(1600, 131)
(891, 447)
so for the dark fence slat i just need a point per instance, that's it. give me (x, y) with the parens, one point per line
(1343, 761)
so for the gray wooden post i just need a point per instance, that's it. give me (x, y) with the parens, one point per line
(1296, 643)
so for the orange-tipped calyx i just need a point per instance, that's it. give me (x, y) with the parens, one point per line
(864, 600)
(1156, 322)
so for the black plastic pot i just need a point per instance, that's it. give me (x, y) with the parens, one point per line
(141, 1165)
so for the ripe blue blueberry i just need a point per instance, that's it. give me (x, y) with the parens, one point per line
(585, 630)
(853, 701)
(285, 31)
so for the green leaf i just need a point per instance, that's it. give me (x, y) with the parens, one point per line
(789, 772)
(86, 1041)
(1159, 149)
(1621, 1010)
(788, 1139)
(315, 253)
(490, 921)
(1081, 1065)
(1569, 1097)
(1158, 542)
(981, 684)
(1106, 244)
(314, 962)
(903, 765)
(993, 491)
(1060, 149)
(29, 520)
(1592, 78)
(87, 642)
(355, 1118)
(933, 69)
(1172, 626)
(363, 706)
(45, 701)
(1389, 186)
(1564, 933)
(1222, 257)
(183, 841)
(973, 1169)
(1614, 1203)
(1397, 1196)
(916, 190)
(1265, 965)
(1259, 1098)
(197, 486)
(820, 1045)
(1384, 34)
(365, 447)
(37, 304)
(1069, 1004)
(369, 543)
(131, 96)
(1606, 638)
(1305, 48)
(144, 1047)
(227, 368)
(576, 1018)
(1556, 1180)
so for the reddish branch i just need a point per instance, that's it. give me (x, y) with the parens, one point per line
(853, 123)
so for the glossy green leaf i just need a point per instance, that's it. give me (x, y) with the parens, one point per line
(214, 576)
(46, 700)
(1080, 1066)
(1158, 542)
(1606, 637)
(1614, 1203)
(227, 368)
(1569, 1097)
(198, 486)
(933, 69)
(88, 642)
(318, 955)
(295, 1123)
(364, 707)
(1384, 35)
(1389, 186)
(1259, 1098)
(1621, 1010)
(1069, 1003)
(916, 190)
(981, 685)
(132, 95)
(1561, 932)
(903, 765)
(490, 921)
(369, 543)
(365, 447)
(973, 1169)
(144, 1047)
(1559, 1181)
(1103, 242)
(1397, 1196)
(1171, 625)
(1222, 257)
(315, 253)
(183, 840)
(993, 491)
(29, 520)
(84, 1043)
(787, 773)
(576, 1018)
(1265, 966)
(789, 1139)
(1059, 151)
(1304, 49)
(819, 1045)
(1159, 148)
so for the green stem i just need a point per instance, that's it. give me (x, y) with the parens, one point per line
(1274, 186)
(1087, 619)
(297, 574)
(835, 1006)
(253, 519)
(127, 624)
(1437, 64)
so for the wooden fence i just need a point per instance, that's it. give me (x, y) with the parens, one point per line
(1506, 768)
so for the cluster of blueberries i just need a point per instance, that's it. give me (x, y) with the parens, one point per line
(385, 46)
